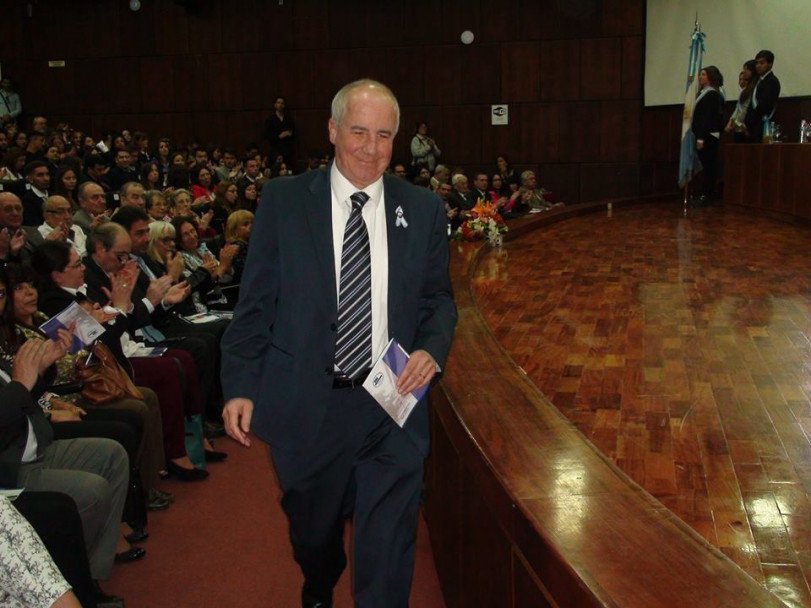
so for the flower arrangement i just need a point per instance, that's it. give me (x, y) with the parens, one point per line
(483, 222)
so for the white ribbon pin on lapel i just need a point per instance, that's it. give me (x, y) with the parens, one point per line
(401, 221)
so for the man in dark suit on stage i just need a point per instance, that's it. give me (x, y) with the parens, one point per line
(764, 97)
(294, 360)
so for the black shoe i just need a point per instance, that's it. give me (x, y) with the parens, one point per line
(105, 600)
(313, 600)
(130, 555)
(138, 535)
(213, 456)
(185, 474)
(162, 494)
(156, 502)
(212, 430)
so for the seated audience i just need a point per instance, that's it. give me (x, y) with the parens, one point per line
(65, 186)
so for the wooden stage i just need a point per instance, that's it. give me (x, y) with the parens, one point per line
(678, 343)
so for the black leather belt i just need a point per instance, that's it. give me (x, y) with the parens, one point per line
(344, 381)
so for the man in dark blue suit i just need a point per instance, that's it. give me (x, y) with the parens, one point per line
(764, 97)
(337, 453)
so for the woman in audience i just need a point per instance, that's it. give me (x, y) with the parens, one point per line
(172, 376)
(499, 191)
(20, 140)
(237, 232)
(180, 206)
(505, 170)
(162, 158)
(156, 207)
(151, 177)
(65, 185)
(205, 285)
(13, 163)
(225, 203)
(424, 151)
(140, 142)
(248, 198)
(202, 186)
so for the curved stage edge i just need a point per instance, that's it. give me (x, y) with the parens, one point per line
(523, 511)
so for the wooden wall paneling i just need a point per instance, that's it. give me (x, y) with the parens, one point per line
(538, 20)
(666, 177)
(171, 27)
(365, 63)
(560, 70)
(191, 82)
(657, 143)
(275, 25)
(500, 140)
(312, 26)
(90, 80)
(456, 17)
(769, 177)
(247, 126)
(331, 71)
(623, 17)
(580, 132)
(733, 174)
(311, 132)
(786, 176)
(486, 564)
(260, 80)
(802, 192)
(383, 24)
(528, 593)
(421, 23)
(225, 84)
(628, 175)
(405, 74)
(13, 39)
(205, 33)
(521, 71)
(599, 61)
(213, 127)
(598, 181)
(136, 31)
(563, 180)
(44, 29)
(461, 134)
(480, 80)
(443, 505)
(581, 19)
(497, 21)
(296, 77)
(540, 131)
(753, 172)
(619, 131)
(242, 29)
(631, 70)
(443, 82)
(157, 84)
(57, 86)
(647, 178)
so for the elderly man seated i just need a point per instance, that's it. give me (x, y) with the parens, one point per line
(535, 200)
(58, 226)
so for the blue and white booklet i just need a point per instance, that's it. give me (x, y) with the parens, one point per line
(382, 383)
(83, 327)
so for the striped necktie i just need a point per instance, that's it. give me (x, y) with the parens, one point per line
(354, 344)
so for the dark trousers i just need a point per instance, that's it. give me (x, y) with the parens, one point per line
(363, 466)
(202, 342)
(56, 520)
(709, 160)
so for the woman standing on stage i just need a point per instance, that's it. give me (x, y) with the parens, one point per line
(707, 123)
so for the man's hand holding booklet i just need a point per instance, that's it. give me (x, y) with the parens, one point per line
(382, 383)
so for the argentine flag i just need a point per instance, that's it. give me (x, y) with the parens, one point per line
(689, 164)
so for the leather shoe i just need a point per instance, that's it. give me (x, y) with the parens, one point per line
(310, 600)
(185, 474)
(162, 494)
(154, 502)
(130, 555)
(105, 600)
(212, 456)
(137, 535)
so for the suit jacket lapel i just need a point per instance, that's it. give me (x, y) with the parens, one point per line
(319, 216)
(397, 237)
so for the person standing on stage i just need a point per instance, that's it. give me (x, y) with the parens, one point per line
(764, 97)
(706, 124)
(302, 341)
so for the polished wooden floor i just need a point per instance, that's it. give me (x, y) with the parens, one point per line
(679, 342)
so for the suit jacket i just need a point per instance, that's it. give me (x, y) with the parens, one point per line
(32, 209)
(465, 201)
(767, 92)
(279, 350)
(96, 278)
(707, 116)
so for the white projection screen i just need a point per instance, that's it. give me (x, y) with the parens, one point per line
(736, 30)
